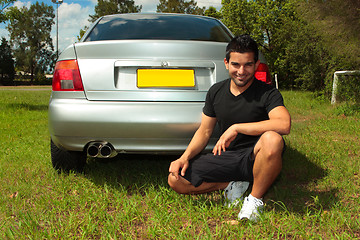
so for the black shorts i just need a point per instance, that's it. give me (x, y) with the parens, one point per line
(232, 165)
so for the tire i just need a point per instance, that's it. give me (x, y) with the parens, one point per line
(67, 161)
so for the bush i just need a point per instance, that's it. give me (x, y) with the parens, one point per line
(348, 88)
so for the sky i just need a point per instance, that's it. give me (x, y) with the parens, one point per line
(74, 15)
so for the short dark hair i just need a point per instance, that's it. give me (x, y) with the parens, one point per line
(242, 44)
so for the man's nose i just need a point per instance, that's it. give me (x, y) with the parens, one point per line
(241, 70)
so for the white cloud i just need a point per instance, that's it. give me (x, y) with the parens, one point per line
(4, 33)
(72, 18)
(20, 4)
(148, 6)
(209, 3)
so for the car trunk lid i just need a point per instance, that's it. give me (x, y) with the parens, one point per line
(150, 70)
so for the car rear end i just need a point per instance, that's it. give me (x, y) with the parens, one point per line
(136, 82)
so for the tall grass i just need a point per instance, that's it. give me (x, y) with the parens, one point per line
(315, 197)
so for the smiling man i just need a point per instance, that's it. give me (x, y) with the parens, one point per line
(252, 119)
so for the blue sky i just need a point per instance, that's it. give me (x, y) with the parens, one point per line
(74, 15)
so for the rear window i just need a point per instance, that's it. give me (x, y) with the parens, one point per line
(162, 27)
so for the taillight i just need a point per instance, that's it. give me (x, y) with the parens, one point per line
(263, 74)
(67, 76)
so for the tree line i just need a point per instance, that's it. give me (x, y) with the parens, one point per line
(30, 50)
(304, 42)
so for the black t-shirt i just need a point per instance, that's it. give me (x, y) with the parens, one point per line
(253, 105)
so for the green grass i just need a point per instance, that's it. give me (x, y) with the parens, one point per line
(317, 195)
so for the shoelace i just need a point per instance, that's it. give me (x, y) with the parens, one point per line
(250, 205)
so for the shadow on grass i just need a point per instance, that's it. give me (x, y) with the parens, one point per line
(137, 174)
(297, 189)
(26, 106)
(131, 172)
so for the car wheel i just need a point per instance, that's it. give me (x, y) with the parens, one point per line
(66, 161)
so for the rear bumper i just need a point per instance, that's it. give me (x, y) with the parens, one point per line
(141, 127)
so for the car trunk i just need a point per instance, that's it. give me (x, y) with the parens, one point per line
(146, 70)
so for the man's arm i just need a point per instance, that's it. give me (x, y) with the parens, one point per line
(196, 145)
(279, 121)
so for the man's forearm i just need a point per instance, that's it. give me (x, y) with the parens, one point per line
(279, 121)
(257, 128)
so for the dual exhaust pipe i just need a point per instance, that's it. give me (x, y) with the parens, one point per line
(101, 150)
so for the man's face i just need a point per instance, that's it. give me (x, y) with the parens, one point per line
(241, 67)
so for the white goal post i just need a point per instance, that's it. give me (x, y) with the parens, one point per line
(336, 80)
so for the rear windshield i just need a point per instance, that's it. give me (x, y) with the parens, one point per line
(164, 27)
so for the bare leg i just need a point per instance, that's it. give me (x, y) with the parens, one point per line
(267, 166)
(183, 186)
(268, 162)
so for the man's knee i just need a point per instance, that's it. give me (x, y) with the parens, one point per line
(272, 139)
(177, 185)
(271, 143)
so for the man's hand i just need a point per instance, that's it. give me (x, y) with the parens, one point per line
(224, 141)
(176, 165)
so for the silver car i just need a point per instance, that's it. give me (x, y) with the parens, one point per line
(135, 83)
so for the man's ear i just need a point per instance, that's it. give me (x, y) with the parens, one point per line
(226, 64)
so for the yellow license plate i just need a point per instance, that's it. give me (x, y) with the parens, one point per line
(165, 78)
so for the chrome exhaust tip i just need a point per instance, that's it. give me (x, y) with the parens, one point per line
(101, 150)
(93, 149)
(107, 151)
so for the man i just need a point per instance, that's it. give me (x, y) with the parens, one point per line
(252, 120)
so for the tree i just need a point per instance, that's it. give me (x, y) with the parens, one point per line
(30, 38)
(337, 24)
(262, 19)
(82, 32)
(7, 70)
(212, 12)
(3, 5)
(294, 51)
(304, 41)
(269, 22)
(303, 61)
(333, 17)
(107, 7)
(179, 6)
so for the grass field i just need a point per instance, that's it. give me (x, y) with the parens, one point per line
(317, 195)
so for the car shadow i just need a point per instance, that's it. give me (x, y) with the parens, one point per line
(133, 172)
(294, 190)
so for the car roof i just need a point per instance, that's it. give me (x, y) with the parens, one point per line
(147, 15)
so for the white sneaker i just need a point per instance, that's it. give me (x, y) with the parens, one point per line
(251, 209)
(233, 193)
